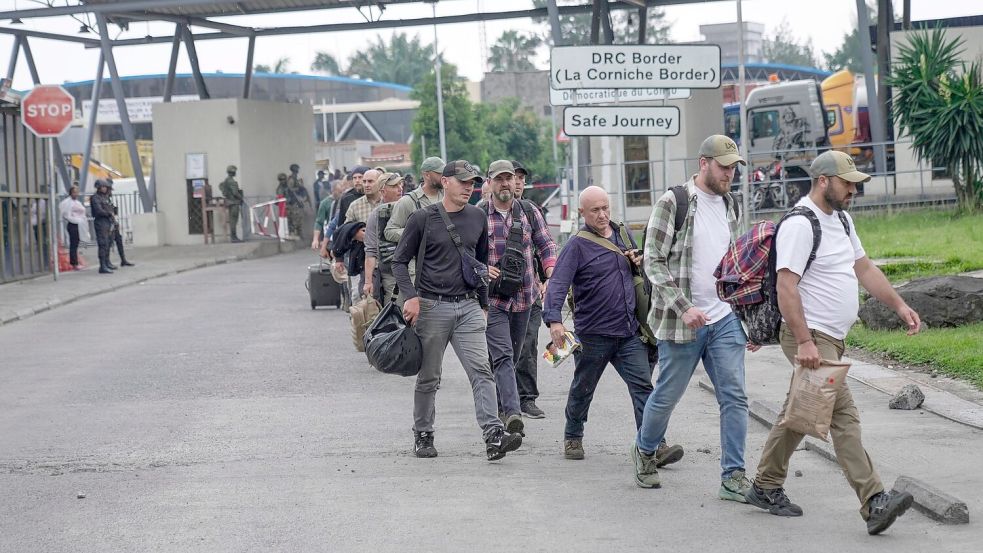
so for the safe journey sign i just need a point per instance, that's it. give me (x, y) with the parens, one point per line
(635, 66)
(610, 96)
(621, 121)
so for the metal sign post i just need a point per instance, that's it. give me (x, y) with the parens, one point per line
(52, 213)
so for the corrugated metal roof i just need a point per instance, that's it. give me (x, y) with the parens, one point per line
(248, 7)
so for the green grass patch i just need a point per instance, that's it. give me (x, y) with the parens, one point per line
(956, 352)
(942, 242)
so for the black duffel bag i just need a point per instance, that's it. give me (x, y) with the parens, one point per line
(391, 345)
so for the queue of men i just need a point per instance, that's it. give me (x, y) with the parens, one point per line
(482, 277)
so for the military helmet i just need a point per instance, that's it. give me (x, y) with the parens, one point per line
(231, 169)
(281, 176)
(103, 182)
(294, 167)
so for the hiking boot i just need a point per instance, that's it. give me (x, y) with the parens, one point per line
(646, 475)
(514, 425)
(423, 445)
(500, 443)
(885, 507)
(573, 449)
(531, 410)
(667, 454)
(735, 487)
(774, 501)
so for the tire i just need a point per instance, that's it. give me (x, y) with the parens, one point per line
(758, 198)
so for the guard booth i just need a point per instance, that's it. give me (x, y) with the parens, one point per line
(23, 197)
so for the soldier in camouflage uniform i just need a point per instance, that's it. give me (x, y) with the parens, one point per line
(233, 199)
(292, 188)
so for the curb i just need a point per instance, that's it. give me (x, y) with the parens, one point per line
(57, 302)
(933, 502)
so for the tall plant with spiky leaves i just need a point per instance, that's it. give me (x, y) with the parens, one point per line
(939, 103)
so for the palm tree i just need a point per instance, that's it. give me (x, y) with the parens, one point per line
(326, 63)
(942, 109)
(513, 52)
(282, 65)
(402, 61)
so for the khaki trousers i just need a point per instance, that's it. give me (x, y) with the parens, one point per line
(844, 430)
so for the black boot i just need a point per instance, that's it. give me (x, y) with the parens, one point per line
(110, 266)
(124, 263)
(104, 267)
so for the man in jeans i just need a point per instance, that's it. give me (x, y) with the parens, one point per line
(508, 313)
(444, 307)
(690, 322)
(819, 305)
(604, 318)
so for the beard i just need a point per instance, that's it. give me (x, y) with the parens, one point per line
(503, 196)
(835, 203)
(718, 187)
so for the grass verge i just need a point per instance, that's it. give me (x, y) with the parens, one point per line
(957, 352)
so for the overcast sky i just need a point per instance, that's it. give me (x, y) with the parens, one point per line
(824, 22)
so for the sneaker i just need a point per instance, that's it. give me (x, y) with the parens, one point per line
(774, 501)
(667, 454)
(573, 450)
(514, 425)
(646, 475)
(735, 487)
(423, 445)
(531, 410)
(885, 507)
(500, 443)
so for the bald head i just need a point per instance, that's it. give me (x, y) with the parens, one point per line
(595, 208)
(370, 184)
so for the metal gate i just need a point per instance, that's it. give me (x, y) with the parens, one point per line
(23, 200)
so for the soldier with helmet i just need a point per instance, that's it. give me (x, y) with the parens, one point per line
(233, 200)
(102, 212)
(292, 188)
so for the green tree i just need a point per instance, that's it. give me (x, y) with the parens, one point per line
(282, 65)
(849, 54)
(402, 60)
(939, 103)
(782, 47)
(326, 63)
(624, 23)
(513, 51)
(464, 136)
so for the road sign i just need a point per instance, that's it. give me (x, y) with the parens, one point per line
(635, 66)
(610, 95)
(621, 121)
(48, 111)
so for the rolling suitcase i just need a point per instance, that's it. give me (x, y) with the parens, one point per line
(323, 287)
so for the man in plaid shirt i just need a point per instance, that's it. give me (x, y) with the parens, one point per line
(508, 314)
(690, 322)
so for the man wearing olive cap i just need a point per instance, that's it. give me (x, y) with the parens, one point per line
(689, 321)
(819, 302)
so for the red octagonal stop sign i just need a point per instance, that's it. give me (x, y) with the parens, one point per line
(48, 110)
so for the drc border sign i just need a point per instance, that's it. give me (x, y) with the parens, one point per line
(610, 96)
(48, 110)
(621, 121)
(635, 66)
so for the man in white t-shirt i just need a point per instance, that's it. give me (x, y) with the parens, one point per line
(818, 306)
(692, 323)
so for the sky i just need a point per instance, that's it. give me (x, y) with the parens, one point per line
(823, 22)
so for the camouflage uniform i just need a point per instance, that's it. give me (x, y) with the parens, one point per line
(292, 188)
(233, 199)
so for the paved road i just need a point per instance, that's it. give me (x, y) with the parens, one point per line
(214, 411)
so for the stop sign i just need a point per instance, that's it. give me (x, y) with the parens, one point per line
(48, 110)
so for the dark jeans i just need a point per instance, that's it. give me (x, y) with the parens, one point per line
(505, 333)
(526, 367)
(73, 244)
(630, 359)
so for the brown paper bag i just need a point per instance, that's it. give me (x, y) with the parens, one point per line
(811, 398)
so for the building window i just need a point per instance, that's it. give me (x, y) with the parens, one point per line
(638, 171)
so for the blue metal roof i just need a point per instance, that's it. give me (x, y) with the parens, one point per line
(346, 80)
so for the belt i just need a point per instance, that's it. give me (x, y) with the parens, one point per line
(452, 299)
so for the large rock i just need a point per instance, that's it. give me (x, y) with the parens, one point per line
(945, 301)
(908, 398)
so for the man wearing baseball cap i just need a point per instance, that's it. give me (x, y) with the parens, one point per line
(447, 304)
(819, 303)
(689, 321)
(514, 235)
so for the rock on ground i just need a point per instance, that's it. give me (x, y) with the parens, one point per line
(910, 397)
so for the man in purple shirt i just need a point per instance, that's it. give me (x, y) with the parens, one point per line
(603, 316)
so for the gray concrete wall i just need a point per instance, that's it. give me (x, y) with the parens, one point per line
(264, 139)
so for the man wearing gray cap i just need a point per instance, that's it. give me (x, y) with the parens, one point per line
(690, 322)
(819, 301)
(102, 212)
(429, 192)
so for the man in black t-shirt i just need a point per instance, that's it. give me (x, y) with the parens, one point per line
(444, 308)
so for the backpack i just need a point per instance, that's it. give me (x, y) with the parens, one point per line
(747, 280)
(682, 201)
(363, 313)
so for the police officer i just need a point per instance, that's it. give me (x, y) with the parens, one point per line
(102, 211)
(233, 199)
